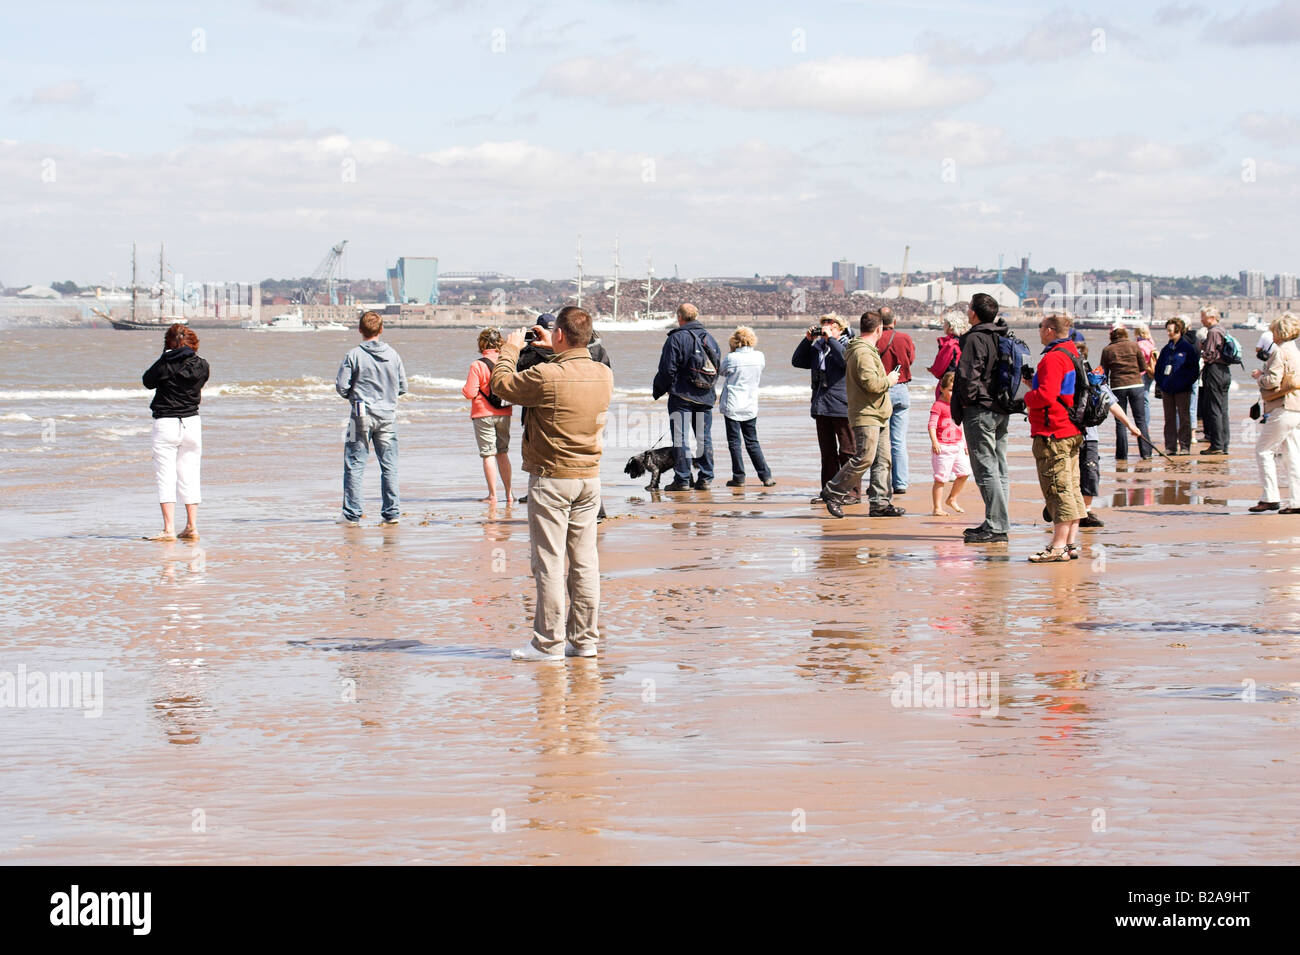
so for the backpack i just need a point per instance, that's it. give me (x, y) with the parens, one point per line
(1231, 350)
(1089, 409)
(1007, 386)
(494, 400)
(703, 367)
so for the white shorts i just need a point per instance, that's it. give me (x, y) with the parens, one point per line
(951, 462)
(177, 448)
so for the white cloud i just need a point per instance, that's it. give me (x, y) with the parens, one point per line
(1276, 129)
(1278, 24)
(70, 93)
(845, 85)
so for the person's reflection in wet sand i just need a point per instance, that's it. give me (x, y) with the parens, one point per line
(569, 745)
(180, 665)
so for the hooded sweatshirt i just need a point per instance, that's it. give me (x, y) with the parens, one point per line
(178, 377)
(866, 385)
(979, 355)
(372, 373)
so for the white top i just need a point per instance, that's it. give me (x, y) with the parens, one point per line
(741, 370)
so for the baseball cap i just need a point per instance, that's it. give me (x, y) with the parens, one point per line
(545, 320)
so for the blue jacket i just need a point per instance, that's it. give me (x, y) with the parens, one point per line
(825, 356)
(1178, 367)
(674, 375)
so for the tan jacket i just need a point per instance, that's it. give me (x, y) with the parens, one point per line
(867, 385)
(1279, 384)
(568, 399)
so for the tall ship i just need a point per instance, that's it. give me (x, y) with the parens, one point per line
(136, 321)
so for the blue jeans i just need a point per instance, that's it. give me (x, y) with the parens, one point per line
(685, 418)
(356, 449)
(901, 401)
(986, 437)
(1133, 400)
(748, 431)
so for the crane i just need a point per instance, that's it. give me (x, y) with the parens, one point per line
(902, 281)
(324, 275)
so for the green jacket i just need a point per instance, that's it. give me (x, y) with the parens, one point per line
(867, 385)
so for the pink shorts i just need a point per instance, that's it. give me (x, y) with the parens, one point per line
(951, 462)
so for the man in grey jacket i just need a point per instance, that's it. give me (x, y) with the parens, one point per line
(371, 378)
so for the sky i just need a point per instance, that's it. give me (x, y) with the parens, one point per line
(719, 138)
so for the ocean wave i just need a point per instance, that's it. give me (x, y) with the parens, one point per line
(18, 416)
(86, 394)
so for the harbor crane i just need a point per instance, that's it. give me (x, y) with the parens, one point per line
(325, 275)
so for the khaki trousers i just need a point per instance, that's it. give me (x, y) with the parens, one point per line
(562, 529)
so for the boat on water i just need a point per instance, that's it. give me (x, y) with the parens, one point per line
(288, 322)
(136, 321)
(1254, 322)
(331, 327)
(1114, 317)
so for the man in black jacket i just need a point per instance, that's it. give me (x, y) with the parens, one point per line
(688, 371)
(985, 424)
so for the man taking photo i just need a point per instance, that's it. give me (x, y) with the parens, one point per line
(568, 399)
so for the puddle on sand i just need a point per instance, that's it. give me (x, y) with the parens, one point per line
(1193, 626)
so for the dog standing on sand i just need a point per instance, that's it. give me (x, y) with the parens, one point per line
(653, 463)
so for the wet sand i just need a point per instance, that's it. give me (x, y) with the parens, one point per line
(307, 693)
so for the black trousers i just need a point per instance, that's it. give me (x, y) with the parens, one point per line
(1215, 380)
(835, 441)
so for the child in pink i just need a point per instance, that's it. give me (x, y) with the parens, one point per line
(948, 454)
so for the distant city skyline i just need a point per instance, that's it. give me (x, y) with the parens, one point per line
(252, 135)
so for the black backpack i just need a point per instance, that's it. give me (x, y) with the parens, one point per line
(703, 366)
(491, 399)
(1088, 410)
(1007, 385)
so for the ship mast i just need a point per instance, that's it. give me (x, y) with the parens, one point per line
(579, 270)
(134, 282)
(616, 264)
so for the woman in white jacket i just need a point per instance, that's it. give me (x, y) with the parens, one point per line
(1279, 423)
(741, 371)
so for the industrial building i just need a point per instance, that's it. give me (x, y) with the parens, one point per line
(413, 280)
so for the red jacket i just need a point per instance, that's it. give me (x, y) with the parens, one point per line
(897, 350)
(1054, 378)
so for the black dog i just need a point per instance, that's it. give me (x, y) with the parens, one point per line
(653, 463)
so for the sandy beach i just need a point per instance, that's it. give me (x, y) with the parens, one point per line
(294, 691)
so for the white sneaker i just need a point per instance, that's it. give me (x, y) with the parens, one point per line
(346, 522)
(570, 650)
(532, 654)
(393, 523)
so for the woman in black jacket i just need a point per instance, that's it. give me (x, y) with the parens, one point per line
(177, 378)
(822, 350)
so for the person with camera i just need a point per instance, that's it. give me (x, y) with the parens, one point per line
(567, 400)
(489, 415)
(982, 421)
(867, 385)
(688, 372)
(371, 377)
(177, 378)
(822, 352)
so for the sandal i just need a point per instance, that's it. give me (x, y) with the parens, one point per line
(1073, 551)
(1050, 556)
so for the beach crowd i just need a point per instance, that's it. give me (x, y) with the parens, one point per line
(559, 375)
